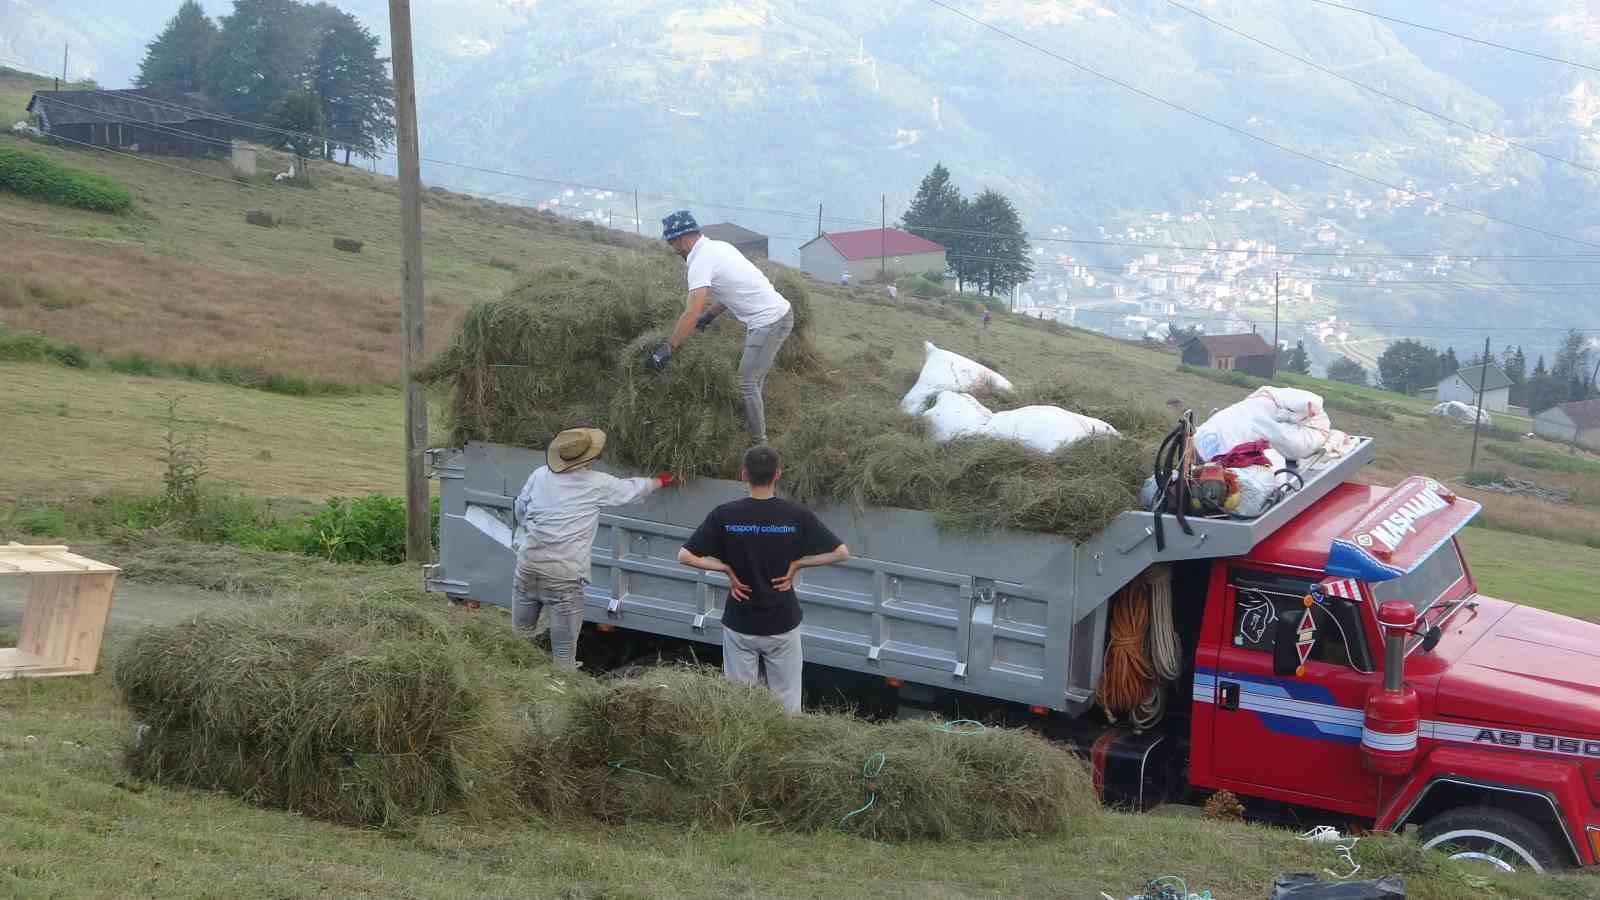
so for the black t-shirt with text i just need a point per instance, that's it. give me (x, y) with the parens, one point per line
(759, 539)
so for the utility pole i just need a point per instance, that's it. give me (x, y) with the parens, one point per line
(638, 226)
(419, 538)
(1483, 377)
(883, 238)
(1275, 345)
(819, 220)
(64, 48)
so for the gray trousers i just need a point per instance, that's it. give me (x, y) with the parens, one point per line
(741, 662)
(761, 346)
(531, 592)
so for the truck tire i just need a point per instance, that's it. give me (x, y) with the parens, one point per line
(1504, 840)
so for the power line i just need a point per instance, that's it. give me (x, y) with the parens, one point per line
(1457, 35)
(1385, 94)
(1251, 136)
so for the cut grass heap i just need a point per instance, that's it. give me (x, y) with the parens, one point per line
(686, 747)
(359, 712)
(565, 349)
(372, 711)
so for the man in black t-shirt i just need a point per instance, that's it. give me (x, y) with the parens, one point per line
(761, 543)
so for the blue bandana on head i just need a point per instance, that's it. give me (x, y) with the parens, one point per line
(678, 224)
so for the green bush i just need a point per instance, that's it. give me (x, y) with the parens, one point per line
(23, 346)
(370, 529)
(1481, 477)
(1551, 461)
(38, 177)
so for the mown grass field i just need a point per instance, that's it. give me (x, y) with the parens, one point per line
(184, 279)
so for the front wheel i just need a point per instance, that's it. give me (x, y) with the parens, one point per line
(1499, 840)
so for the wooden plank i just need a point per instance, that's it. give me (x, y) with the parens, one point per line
(20, 559)
(63, 625)
(15, 663)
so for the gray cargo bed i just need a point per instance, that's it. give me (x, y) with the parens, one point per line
(1017, 616)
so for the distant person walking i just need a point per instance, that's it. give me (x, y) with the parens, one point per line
(986, 318)
(557, 514)
(720, 278)
(761, 543)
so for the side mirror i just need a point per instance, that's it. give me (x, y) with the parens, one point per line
(1431, 638)
(1285, 634)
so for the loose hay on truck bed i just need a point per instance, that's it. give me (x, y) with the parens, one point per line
(567, 348)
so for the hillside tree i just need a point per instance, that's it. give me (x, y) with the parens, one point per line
(936, 211)
(1296, 360)
(177, 61)
(1407, 366)
(262, 53)
(994, 246)
(1572, 360)
(1448, 364)
(295, 124)
(1348, 371)
(352, 85)
(1541, 391)
(1514, 364)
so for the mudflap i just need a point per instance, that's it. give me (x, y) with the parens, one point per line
(1136, 771)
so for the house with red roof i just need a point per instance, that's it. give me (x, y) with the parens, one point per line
(864, 254)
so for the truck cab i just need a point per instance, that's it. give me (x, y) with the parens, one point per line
(1349, 664)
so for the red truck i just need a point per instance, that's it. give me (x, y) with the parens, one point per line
(1331, 660)
(1419, 700)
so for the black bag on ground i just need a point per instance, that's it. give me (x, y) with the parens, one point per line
(1305, 886)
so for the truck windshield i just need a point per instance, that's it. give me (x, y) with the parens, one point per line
(1440, 577)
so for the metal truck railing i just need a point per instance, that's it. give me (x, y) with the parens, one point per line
(1016, 616)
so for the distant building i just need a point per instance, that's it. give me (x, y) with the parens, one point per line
(864, 253)
(137, 121)
(1247, 353)
(752, 244)
(1463, 386)
(1577, 422)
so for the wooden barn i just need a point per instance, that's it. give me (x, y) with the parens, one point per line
(1246, 353)
(752, 244)
(134, 121)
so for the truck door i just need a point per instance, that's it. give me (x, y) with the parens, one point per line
(1297, 740)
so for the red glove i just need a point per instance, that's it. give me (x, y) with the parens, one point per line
(666, 478)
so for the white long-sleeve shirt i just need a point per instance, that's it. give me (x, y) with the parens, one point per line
(558, 515)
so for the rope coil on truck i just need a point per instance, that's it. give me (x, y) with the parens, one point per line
(1143, 652)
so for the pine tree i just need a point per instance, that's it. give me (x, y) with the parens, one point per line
(1572, 360)
(352, 85)
(1448, 364)
(1299, 362)
(176, 61)
(1514, 364)
(995, 244)
(935, 212)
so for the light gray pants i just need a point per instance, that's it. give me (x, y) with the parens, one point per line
(741, 661)
(531, 592)
(761, 346)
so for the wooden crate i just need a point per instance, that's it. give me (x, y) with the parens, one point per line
(69, 598)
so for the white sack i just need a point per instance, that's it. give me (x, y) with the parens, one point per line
(954, 415)
(1045, 428)
(946, 371)
(1291, 420)
(1465, 413)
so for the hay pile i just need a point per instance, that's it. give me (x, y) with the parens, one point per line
(682, 746)
(360, 712)
(370, 712)
(567, 348)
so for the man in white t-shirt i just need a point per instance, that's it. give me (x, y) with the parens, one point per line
(720, 278)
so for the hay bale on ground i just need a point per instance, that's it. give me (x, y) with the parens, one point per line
(348, 245)
(358, 712)
(680, 746)
(263, 218)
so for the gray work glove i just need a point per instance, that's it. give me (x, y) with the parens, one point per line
(706, 318)
(658, 357)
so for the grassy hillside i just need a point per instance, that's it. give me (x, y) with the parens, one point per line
(185, 279)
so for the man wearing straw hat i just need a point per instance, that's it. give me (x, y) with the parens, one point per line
(720, 278)
(557, 515)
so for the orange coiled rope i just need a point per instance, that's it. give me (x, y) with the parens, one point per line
(1128, 687)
